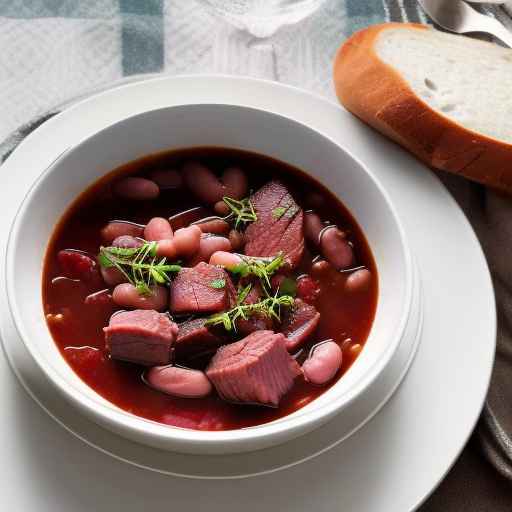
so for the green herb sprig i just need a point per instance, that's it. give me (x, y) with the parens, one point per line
(140, 265)
(241, 211)
(269, 307)
(263, 268)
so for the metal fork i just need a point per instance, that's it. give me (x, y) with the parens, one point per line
(457, 16)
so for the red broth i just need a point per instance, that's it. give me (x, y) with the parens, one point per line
(77, 327)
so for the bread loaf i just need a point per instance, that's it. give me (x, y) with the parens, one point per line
(445, 98)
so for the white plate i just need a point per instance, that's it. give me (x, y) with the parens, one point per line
(394, 461)
(230, 466)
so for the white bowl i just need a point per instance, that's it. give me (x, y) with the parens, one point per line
(209, 125)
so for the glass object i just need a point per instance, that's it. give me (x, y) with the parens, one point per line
(262, 18)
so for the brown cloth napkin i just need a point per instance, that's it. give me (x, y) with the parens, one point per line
(473, 484)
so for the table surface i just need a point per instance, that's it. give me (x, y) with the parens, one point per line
(56, 50)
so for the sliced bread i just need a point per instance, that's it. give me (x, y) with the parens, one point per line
(446, 98)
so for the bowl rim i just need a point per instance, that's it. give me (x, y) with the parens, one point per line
(125, 421)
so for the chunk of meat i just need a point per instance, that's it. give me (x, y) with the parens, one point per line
(279, 226)
(255, 322)
(141, 336)
(195, 339)
(299, 323)
(255, 370)
(201, 289)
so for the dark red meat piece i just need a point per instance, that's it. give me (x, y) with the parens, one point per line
(279, 225)
(299, 323)
(255, 370)
(195, 339)
(141, 336)
(256, 322)
(201, 289)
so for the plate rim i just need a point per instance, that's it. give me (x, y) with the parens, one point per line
(235, 81)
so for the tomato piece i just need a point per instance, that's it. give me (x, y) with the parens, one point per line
(308, 289)
(78, 265)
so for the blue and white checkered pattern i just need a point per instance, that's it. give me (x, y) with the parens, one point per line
(53, 50)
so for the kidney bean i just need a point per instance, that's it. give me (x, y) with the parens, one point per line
(312, 228)
(225, 259)
(358, 281)
(323, 363)
(236, 238)
(307, 288)
(136, 189)
(235, 181)
(177, 381)
(203, 182)
(207, 187)
(335, 248)
(79, 265)
(127, 242)
(117, 228)
(127, 296)
(158, 228)
(208, 245)
(167, 179)
(221, 208)
(214, 225)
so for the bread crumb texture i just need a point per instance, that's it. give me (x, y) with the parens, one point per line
(463, 79)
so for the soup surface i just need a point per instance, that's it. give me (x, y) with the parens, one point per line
(319, 283)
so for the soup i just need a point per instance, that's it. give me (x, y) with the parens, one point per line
(209, 288)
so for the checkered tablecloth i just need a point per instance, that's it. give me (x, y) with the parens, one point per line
(54, 51)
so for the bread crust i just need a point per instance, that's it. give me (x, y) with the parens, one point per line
(377, 94)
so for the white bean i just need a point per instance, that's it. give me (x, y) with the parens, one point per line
(166, 249)
(167, 179)
(323, 364)
(127, 296)
(358, 281)
(136, 189)
(208, 245)
(187, 241)
(225, 259)
(158, 228)
(335, 248)
(180, 382)
(117, 228)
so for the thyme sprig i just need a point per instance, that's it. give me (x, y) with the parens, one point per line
(269, 307)
(139, 265)
(263, 268)
(241, 211)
